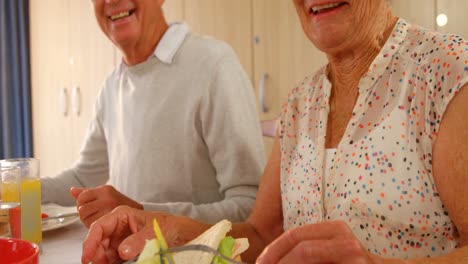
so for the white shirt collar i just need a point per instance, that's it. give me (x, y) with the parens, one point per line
(169, 43)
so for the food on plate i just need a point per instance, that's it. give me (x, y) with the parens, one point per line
(215, 237)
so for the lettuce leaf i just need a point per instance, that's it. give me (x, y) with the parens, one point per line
(225, 248)
(149, 252)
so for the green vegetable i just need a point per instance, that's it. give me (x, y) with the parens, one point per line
(159, 235)
(225, 248)
(149, 252)
(166, 258)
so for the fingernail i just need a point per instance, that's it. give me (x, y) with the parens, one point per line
(125, 249)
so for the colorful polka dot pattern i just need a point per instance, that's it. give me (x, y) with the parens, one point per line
(380, 180)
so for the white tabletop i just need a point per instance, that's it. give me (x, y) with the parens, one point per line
(63, 245)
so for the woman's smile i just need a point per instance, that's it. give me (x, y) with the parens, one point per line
(321, 9)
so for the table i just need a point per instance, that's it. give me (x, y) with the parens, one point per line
(63, 245)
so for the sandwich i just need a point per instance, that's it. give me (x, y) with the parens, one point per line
(215, 237)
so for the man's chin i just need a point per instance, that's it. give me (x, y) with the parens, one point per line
(123, 37)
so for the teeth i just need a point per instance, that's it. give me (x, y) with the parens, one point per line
(120, 15)
(317, 9)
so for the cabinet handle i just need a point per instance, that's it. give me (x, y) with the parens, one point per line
(77, 100)
(261, 92)
(63, 101)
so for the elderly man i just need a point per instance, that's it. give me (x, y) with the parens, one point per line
(175, 126)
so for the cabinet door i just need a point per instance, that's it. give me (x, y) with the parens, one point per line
(52, 128)
(92, 54)
(419, 12)
(457, 22)
(227, 20)
(283, 55)
(174, 10)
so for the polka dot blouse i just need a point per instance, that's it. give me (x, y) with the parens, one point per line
(380, 179)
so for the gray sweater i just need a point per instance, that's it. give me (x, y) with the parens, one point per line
(178, 133)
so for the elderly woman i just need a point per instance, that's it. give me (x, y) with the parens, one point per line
(368, 164)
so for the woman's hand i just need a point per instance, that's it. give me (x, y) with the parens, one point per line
(103, 244)
(121, 234)
(330, 242)
(93, 203)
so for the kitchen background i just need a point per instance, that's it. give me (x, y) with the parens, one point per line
(70, 57)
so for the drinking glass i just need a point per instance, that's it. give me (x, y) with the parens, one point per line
(10, 221)
(30, 197)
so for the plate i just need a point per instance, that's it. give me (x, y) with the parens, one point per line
(54, 210)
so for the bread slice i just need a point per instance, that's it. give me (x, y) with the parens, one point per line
(242, 244)
(212, 237)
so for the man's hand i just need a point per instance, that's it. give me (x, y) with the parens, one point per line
(93, 203)
(331, 242)
(121, 234)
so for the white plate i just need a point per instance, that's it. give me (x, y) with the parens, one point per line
(53, 210)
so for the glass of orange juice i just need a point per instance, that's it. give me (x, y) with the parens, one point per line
(30, 198)
(10, 183)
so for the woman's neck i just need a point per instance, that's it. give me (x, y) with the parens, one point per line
(346, 68)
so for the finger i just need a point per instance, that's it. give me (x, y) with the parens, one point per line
(324, 251)
(92, 248)
(91, 219)
(112, 256)
(114, 224)
(87, 195)
(98, 258)
(323, 231)
(105, 256)
(134, 244)
(102, 254)
(93, 210)
(76, 191)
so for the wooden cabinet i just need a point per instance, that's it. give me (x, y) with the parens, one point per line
(283, 56)
(226, 20)
(457, 21)
(50, 86)
(419, 12)
(70, 58)
(425, 12)
(174, 10)
(92, 54)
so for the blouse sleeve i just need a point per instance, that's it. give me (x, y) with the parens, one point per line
(449, 73)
